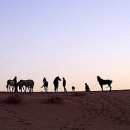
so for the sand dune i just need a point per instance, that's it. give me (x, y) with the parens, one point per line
(79, 111)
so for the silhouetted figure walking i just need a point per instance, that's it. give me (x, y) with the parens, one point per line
(64, 84)
(45, 84)
(15, 84)
(87, 87)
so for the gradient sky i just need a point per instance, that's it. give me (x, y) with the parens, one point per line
(75, 39)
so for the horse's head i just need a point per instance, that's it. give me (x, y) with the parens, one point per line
(58, 78)
(20, 84)
(20, 81)
(98, 78)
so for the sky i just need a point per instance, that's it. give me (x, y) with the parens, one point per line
(75, 39)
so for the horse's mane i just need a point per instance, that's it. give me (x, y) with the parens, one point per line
(99, 79)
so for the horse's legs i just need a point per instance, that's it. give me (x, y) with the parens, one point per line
(110, 88)
(31, 89)
(101, 87)
(12, 88)
(55, 88)
(25, 89)
(22, 88)
(7, 87)
(28, 88)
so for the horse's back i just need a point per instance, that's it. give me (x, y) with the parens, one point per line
(10, 82)
(29, 82)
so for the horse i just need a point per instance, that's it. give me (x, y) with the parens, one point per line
(56, 83)
(10, 84)
(73, 88)
(21, 84)
(104, 82)
(27, 83)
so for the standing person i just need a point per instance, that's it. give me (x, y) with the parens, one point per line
(15, 84)
(45, 84)
(73, 88)
(87, 87)
(64, 84)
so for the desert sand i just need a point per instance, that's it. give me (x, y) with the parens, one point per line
(79, 111)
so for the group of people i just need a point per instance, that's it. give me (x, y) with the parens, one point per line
(24, 84)
(45, 84)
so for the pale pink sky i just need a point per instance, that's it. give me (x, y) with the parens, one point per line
(78, 40)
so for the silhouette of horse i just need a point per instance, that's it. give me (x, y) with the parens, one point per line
(104, 82)
(10, 84)
(27, 83)
(56, 83)
(21, 84)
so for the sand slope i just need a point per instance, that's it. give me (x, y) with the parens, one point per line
(80, 111)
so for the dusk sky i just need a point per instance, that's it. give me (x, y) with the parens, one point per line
(75, 39)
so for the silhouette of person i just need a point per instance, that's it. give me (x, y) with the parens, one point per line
(15, 84)
(73, 88)
(64, 84)
(87, 87)
(45, 84)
